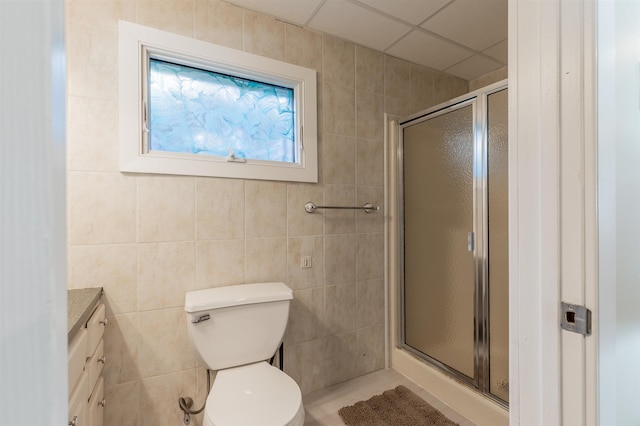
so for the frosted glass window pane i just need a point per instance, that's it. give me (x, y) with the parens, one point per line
(197, 111)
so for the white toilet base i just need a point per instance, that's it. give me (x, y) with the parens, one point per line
(254, 395)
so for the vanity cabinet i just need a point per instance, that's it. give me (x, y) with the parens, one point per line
(85, 364)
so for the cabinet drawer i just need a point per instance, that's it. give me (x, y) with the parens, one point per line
(76, 358)
(96, 404)
(95, 364)
(95, 329)
(78, 402)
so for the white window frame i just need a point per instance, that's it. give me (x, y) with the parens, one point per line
(137, 43)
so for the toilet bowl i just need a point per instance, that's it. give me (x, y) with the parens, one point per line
(233, 330)
(252, 395)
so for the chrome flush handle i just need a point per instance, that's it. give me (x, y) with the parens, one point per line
(201, 318)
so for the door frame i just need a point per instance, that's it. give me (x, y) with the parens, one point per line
(553, 222)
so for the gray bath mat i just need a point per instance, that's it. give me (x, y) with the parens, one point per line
(395, 407)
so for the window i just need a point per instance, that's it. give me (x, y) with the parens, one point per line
(193, 108)
(204, 112)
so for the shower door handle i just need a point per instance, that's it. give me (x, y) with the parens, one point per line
(471, 241)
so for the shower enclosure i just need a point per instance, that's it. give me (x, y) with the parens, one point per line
(453, 232)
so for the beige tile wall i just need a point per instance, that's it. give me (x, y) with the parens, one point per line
(487, 79)
(149, 239)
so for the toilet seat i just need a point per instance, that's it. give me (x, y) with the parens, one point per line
(254, 395)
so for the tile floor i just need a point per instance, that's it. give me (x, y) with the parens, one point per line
(321, 407)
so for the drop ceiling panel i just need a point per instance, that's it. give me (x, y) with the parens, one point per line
(412, 11)
(498, 51)
(456, 30)
(474, 67)
(478, 24)
(424, 49)
(297, 12)
(358, 24)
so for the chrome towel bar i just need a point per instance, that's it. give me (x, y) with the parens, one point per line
(368, 208)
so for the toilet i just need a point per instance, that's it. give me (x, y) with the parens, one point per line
(234, 330)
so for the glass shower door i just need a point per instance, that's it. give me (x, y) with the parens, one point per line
(439, 269)
(454, 239)
(498, 268)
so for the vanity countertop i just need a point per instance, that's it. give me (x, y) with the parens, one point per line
(80, 304)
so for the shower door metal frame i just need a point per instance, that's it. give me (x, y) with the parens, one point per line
(478, 100)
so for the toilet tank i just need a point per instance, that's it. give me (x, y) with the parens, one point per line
(237, 325)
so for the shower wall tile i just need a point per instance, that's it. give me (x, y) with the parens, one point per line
(299, 222)
(218, 22)
(164, 346)
(320, 120)
(487, 79)
(158, 398)
(266, 260)
(370, 354)
(112, 267)
(422, 81)
(342, 355)
(92, 61)
(92, 144)
(121, 349)
(264, 35)
(123, 408)
(397, 107)
(338, 221)
(370, 256)
(338, 110)
(369, 70)
(170, 201)
(166, 271)
(101, 208)
(369, 300)
(341, 343)
(147, 239)
(220, 263)
(265, 209)
(370, 116)
(397, 78)
(339, 155)
(303, 47)
(443, 88)
(306, 316)
(219, 208)
(299, 278)
(460, 87)
(320, 107)
(102, 14)
(339, 258)
(304, 362)
(339, 301)
(369, 162)
(172, 16)
(339, 62)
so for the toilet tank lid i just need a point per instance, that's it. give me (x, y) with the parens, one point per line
(234, 295)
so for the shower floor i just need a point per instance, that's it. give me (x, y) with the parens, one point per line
(321, 407)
